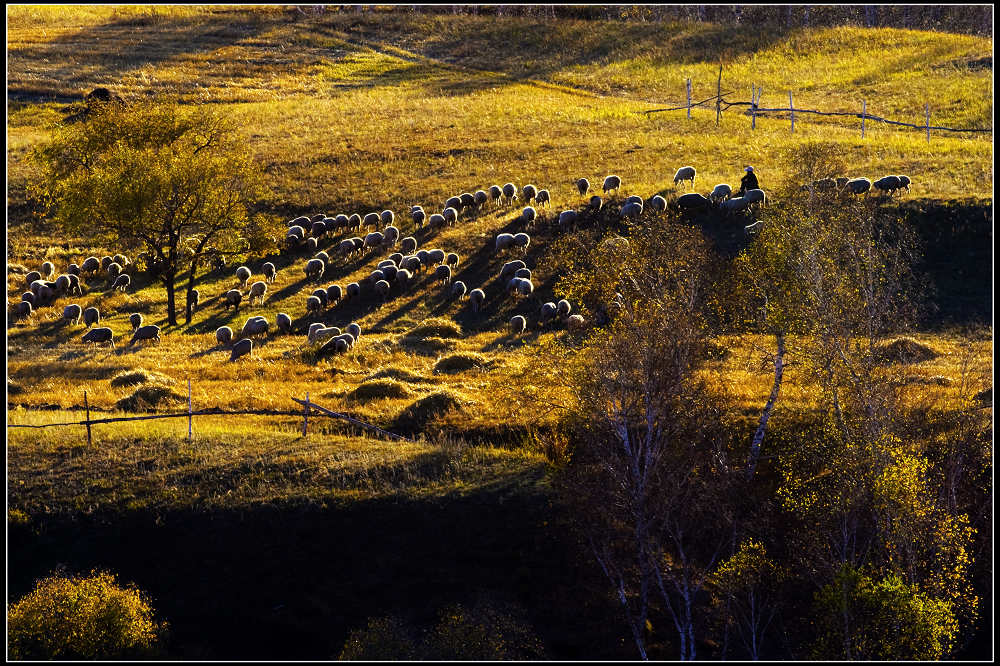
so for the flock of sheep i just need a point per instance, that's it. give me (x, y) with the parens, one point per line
(397, 272)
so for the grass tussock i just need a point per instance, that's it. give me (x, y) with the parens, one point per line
(436, 327)
(400, 374)
(380, 389)
(139, 376)
(148, 397)
(13, 388)
(431, 346)
(421, 412)
(904, 351)
(461, 362)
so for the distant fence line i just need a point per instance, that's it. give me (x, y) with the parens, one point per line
(721, 104)
(307, 405)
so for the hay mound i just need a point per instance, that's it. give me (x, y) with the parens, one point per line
(984, 397)
(149, 397)
(460, 363)
(13, 388)
(379, 388)
(402, 375)
(436, 327)
(139, 376)
(421, 412)
(425, 346)
(904, 350)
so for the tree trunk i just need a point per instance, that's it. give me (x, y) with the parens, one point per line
(169, 278)
(190, 288)
(758, 438)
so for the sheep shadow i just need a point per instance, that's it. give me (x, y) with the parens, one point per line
(210, 350)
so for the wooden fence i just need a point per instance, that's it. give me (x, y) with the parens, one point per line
(721, 104)
(307, 405)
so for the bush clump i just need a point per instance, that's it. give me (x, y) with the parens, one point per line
(419, 413)
(139, 376)
(461, 362)
(426, 346)
(380, 388)
(90, 617)
(436, 327)
(904, 350)
(147, 397)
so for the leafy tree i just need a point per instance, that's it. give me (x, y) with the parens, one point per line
(178, 183)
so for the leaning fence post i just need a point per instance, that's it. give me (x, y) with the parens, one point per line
(927, 120)
(189, 410)
(86, 407)
(688, 86)
(753, 106)
(863, 111)
(791, 108)
(305, 415)
(718, 97)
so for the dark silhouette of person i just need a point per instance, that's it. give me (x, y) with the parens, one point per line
(749, 181)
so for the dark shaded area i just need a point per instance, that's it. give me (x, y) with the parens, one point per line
(290, 581)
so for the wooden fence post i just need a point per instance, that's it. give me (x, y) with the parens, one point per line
(689, 98)
(863, 111)
(927, 120)
(753, 106)
(718, 97)
(189, 410)
(305, 415)
(791, 108)
(86, 407)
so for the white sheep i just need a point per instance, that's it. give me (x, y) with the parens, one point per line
(135, 320)
(510, 193)
(566, 218)
(458, 289)
(403, 277)
(353, 290)
(612, 183)
(91, 316)
(453, 202)
(480, 197)
(548, 312)
(518, 324)
(436, 221)
(685, 173)
(241, 348)
(575, 322)
(388, 217)
(468, 200)
(121, 282)
(563, 308)
(583, 186)
(270, 272)
(233, 297)
(887, 184)
(692, 201)
(658, 203)
(528, 215)
(148, 332)
(333, 294)
(283, 322)
(391, 234)
(72, 313)
(476, 299)
(521, 241)
(382, 289)
(443, 274)
(354, 330)
(223, 335)
(257, 291)
(450, 215)
(857, 186)
(631, 210)
(408, 245)
(720, 193)
(452, 259)
(97, 335)
(314, 269)
(511, 267)
(48, 268)
(596, 202)
(756, 196)
(528, 193)
(319, 333)
(254, 327)
(543, 198)
(496, 194)
(503, 242)
(313, 304)
(243, 275)
(371, 220)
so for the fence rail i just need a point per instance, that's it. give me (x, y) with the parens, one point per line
(721, 104)
(307, 407)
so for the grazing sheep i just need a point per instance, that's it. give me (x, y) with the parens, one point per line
(543, 198)
(411, 263)
(583, 186)
(435, 256)
(458, 289)
(333, 294)
(91, 316)
(353, 290)
(574, 322)
(346, 247)
(311, 244)
(300, 220)
(904, 182)
(148, 332)
(479, 197)
(496, 194)
(518, 324)
(391, 236)
(450, 215)
(269, 271)
(451, 259)
(73, 270)
(468, 200)
(96, 335)
(317, 229)
(336, 345)
(48, 268)
(319, 333)
(33, 276)
(223, 335)
(563, 308)
(354, 330)
(359, 245)
(389, 272)
(255, 327)
(342, 221)
(193, 299)
(443, 274)
(631, 210)
(135, 320)
(257, 291)
(114, 270)
(375, 276)
(685, 173)
(243, 275)
(511, 267)
(233, 297)
(46, 293)
(395, 258)
(62, 284)
(382, 289)
(635, 198)
(692, 201)
(523, 273)
(887, 184)
(528, 215)
(121, 260)
(322, 256)
(476, 298)
(72, 313)
(611, 183)
(387, 217)
(503, 242)
(371, 220)
(28, 297)
(22, 309)
(566, 218)
(756, 196)
(453, 202)
(314, 269)
(521, 241)
(241, 348)
(74, 285)
(90, 265)
(354, 221)
(318, 216)
(524, 286)
(528, 193)
(596, 202)
(403, 277)
(734, 205)
(658, 203)
(841, 181)
(436, 221)
(122, 282)
(313, 328)
(510, 193)
(321, 295)
(720, 193)
(408, 245)
(548, 312)
(418, 216)
(857, 186)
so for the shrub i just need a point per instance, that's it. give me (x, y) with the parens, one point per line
(436, 327)
(460, 362)
(148, 397)
(379, 388)
(904, 350)
(384, 639)
(92, 617)
(139, 376)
